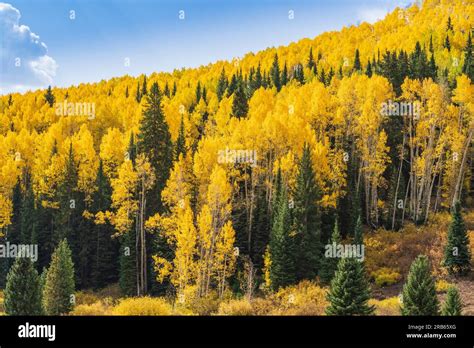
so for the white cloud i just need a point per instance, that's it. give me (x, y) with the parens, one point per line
(24, 59)
(371, 15)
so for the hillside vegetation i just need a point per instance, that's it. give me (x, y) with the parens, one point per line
(227, 181)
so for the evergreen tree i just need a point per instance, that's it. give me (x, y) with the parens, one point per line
(329, 262)
(28, 213)
(180, 147)
(358, 232)
(357, 64)
(258, 77)
(59, 285)
(449, 25)
(368, 70)
(175, 89)
(155, 142)
(433, 68)
(166, 90)
(349, 293)
(138, 96)
(447, 43)
(457, 255)
(311, 64)
(299, 73)
(198, 92)
(282, 251)
(128, 266)
(419, 292)
(144, 87)
(322, 77)
(307, 220)
(232, 86)
(431, 45)
(275, 73)
(49, 96)
(453, 304)
(23, 289)
(240, 105)
(468, 66)
(105, 250)
(70, 223)
(284, 75)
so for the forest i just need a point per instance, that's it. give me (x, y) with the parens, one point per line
(332, 176)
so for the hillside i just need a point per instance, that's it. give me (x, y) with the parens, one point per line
(231, 179)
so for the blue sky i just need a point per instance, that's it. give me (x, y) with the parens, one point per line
(55, 49)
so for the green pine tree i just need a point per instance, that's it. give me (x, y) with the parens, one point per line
(457, 255)
(105, 248)
(357, 63)
(307, 219)
(232, 86)
(59, 285)
(447, 43)
(49, 96)
(284, 75)
(128, 265)
(468, 66)
(221, 85)
(282, 269)
(144, 88)
(329, 262)
(419, 292)
(240, 106)
(23, 289)
(155, 142)
(453, 304)
(358, 232)
(138, 96)
(180, 147)
(311, 64)
(349, 292)
(275, 73)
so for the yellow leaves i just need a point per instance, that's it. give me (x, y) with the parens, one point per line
(112, 151)
(219, 193)
(6, 209)
(163, 268)
(123, 197)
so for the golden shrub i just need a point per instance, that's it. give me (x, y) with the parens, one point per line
(305, 298)
(143, 306)
(442, 285)
(97, 308)
(388, 306)
(385, 276)
(86, 298)
(235, 307)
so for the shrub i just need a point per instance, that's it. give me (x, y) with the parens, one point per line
(96, 308)
(142, 306)
(85, 298)
(235, 307)
(305, 298)
(385, 276)
(388, 306)
(442, 286)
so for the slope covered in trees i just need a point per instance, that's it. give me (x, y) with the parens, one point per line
(231, 176)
